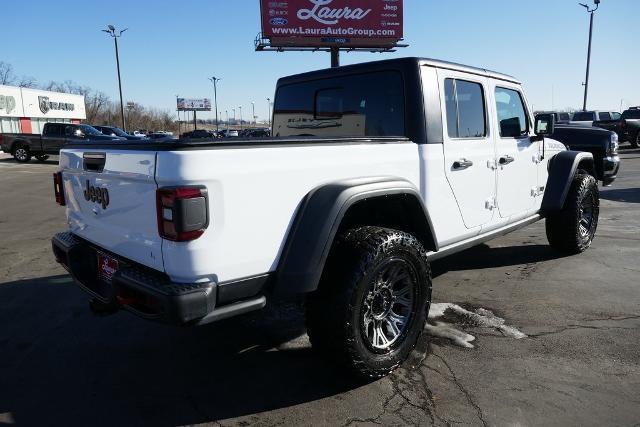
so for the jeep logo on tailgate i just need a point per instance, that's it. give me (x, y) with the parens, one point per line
(97, 195)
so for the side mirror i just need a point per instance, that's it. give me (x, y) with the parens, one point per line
(545, 124)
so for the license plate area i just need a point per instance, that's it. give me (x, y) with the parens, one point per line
(107, 267)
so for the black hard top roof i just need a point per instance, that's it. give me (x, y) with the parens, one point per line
(400, 63)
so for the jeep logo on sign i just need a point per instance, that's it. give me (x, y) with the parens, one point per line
(7, 103)
(46, 105)
(97, 195)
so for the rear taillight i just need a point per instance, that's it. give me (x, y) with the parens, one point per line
(612, 149)
(183, 212)
(58, 189)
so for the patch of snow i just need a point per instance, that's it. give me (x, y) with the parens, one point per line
(445, 330)
(482, 318)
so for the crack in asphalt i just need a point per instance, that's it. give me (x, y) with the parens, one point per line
(612, 318)
(375, 419)
(464, 391)
(574, 327)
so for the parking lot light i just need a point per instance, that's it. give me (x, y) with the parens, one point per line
(586, 80)
(111, 30)
(269, 111)
(215, 97)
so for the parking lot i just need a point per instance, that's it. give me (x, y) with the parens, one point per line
(577, 365)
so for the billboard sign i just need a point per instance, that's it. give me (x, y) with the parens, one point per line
(191, 104)
(344, 23)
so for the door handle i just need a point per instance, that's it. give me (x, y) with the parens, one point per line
(462, 164)
(505, 160)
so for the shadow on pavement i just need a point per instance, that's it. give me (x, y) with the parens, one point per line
(61, 364)
(627, 195)
(36, 162)
(484, 256)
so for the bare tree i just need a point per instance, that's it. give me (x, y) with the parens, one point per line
(28, 82)
(7, 77)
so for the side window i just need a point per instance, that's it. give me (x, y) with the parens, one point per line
(465, 109)
(605, 116)
(451, 107)
(512, 115)
(615, 116)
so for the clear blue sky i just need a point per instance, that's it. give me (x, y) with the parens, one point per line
(173, 46)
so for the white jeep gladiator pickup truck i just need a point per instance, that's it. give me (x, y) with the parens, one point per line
(373, 171)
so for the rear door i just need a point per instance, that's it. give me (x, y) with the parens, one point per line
(517, 155)
(111, 201)
(468, 145)
(52, 137)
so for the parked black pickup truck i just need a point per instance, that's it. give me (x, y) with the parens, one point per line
(54, 136)
(602, 143)
(626, 126)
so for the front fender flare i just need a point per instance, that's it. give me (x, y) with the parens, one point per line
(562, 169)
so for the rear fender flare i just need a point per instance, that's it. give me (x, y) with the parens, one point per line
(318, 220)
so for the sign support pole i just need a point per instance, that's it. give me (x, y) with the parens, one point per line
(335, 57)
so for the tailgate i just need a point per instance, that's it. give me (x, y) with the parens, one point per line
(111, 201)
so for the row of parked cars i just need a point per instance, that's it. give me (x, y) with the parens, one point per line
(228, 133)
(24, 146)
(625, 125)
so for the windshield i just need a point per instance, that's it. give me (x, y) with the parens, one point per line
(89, 130)
(583, 116)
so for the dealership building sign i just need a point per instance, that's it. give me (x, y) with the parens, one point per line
(343, 23)
(46, 105)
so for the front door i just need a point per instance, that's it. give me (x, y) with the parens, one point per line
(468, 145)
(517, 156)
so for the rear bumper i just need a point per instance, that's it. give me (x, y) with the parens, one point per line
(150, 294)
(610, 168)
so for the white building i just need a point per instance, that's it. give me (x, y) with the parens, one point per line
(27, 110)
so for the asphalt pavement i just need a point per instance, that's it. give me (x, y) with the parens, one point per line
(577, 365)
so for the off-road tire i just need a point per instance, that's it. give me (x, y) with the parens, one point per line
(336, 313)
(572, 229)
(21, 153)
(41, 157)
(635, 142)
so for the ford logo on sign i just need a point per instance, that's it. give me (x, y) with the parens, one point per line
(278, 21)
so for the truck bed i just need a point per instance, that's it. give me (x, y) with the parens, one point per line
(254, 187)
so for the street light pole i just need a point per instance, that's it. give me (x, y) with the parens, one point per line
(178, 113)
(586, 82)
(227, 111)
(112, 32)
(253, 111)
(215, 97)
(269, 111)
(240, 107)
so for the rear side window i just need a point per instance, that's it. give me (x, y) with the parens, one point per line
(631, 114)
(465, 109)
(564, 116)
(605, 116)
(583, 116)
(52, 129)
(361, 105)
(512, 114)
